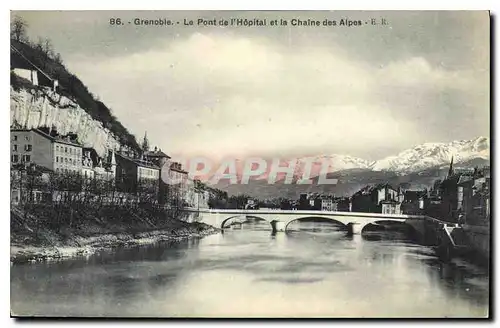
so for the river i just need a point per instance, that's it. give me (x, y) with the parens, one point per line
(313, 271)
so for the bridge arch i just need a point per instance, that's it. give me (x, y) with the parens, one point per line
(242, 215)
(388, 222)
(319, 218)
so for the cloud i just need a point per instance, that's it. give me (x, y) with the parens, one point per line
(228, 95)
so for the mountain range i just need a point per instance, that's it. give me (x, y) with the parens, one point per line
(417, 167)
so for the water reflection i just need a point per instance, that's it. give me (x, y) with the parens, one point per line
(314, 270)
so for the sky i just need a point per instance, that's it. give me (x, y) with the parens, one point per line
(366, 91)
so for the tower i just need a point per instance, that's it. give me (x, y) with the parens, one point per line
(113, 163)
(450, 170)
(145, 142)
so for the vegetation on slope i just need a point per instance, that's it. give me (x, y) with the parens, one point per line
(42, 55)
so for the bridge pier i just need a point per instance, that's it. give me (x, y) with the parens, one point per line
(277, 226)
(354, 228)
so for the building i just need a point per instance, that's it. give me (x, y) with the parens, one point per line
(61, 154)
(157, 157)
(342, 204)
(94, 166)
(314, 202)
(369, 198)
(327, 204)
(177, 181)
(251, 204)
(27, 74)
(303, 203)
(413, 202)
(133, 172)
(88, 171)
(456, 198)
(473, 198)
(390, 206)
(26, 183)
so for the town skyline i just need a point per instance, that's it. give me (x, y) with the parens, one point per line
(248, 91)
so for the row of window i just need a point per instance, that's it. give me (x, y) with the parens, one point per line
(25, 158)
(27, 138)
(67, 160)
(148, 172)
(58, 170)
(143, 172)
(26, 147)
(71, 150)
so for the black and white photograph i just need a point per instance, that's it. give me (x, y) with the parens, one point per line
(250, 164)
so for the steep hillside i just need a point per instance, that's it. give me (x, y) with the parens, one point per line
(73, 92)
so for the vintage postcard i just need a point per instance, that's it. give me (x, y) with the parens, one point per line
(250, 164)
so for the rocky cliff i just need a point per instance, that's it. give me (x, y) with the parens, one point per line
(42, 107)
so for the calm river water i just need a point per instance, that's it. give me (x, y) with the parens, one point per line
(314, 271)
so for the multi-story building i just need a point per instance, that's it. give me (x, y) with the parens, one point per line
(390, 206)
(413, 201)
(88, 171)
(94, 166)
(177, 181)
(369, 198)
(473, 198)
(158, 157)
(342, 204)
(62, 154)
(131, 172)
(328, 203)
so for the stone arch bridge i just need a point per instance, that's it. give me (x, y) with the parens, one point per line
(355, 222)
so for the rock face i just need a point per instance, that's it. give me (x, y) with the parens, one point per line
(45, 108)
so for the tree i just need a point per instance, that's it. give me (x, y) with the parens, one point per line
(18, 29)
(45, 46)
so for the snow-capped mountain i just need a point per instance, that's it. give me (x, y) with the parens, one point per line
(434, 154)
(416, 159)
(333, 163)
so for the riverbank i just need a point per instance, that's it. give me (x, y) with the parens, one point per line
(85, 246)
(36, 237)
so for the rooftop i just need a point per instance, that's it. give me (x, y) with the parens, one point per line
(140, 162)
(59, 139)
(157, 153)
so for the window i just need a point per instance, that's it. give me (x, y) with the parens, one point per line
(26, 158)
(28, 147)
(15, 138)
(65, 160)
(57, 159)
(15, 158)
(27, 138)
(14, 148)
(65, 149)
